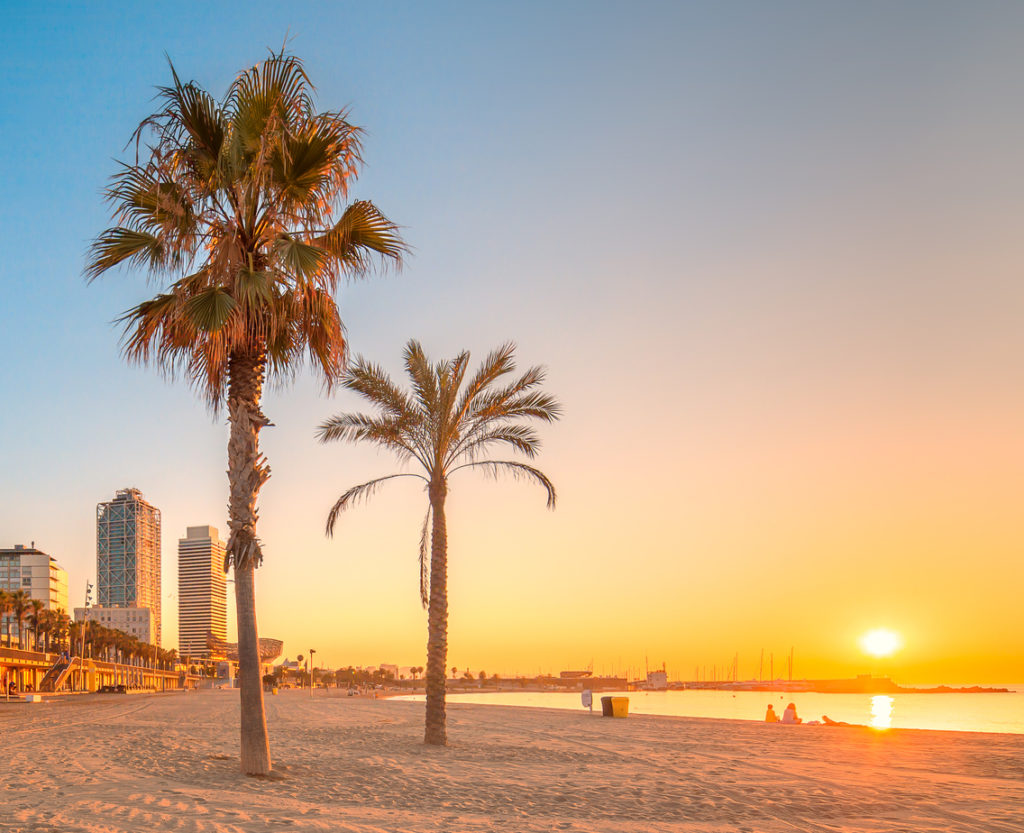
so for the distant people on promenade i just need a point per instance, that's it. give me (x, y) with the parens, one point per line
(770, 716)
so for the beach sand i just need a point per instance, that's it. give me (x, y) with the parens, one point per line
(133, 764)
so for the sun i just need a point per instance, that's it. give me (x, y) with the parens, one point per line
(881, 642)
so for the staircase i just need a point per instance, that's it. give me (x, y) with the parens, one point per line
(57, 674)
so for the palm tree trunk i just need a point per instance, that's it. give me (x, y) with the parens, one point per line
(436, 732)
(247, 472)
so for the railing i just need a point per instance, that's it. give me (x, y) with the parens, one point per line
(56, 676)
(30, 656)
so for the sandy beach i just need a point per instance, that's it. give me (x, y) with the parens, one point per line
(113, 764)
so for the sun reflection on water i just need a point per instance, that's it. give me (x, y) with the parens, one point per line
(881, 711)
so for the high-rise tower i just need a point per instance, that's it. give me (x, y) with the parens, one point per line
(128, 554)
(202, 591)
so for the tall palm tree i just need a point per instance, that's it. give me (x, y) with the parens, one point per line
(443, 426)
(240, 204)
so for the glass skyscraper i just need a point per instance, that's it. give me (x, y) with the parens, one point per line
(128, 554)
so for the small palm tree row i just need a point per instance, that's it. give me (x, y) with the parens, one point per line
(238, 204)
(5, 623)
(15, 609)
(45, 630)
(112, 645)
(445, 424)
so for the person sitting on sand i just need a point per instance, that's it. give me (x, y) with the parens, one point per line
(789, 715)
(770, 716)
(830, 722)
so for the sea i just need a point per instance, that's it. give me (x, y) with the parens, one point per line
(985, 712)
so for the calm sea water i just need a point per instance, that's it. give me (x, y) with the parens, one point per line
(950, 712)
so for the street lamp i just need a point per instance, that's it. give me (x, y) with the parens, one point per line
(312, 671)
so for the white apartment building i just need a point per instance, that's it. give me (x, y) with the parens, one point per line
(139, 622)
(35, 572)
(202, 591)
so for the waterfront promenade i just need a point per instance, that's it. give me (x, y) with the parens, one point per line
(29, 671)
(125, 763)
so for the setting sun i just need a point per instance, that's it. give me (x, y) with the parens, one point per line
(880, 642)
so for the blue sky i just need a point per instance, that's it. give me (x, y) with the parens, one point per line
(764, 249)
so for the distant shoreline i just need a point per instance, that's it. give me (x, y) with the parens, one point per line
(876, 685)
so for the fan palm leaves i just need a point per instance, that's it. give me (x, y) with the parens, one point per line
(5, 609)
(237, 207)
(36, 612)
(20, 605)
(447, 422)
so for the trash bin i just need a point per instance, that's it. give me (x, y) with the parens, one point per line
(273, 690)
(620, 706)
(606, 707)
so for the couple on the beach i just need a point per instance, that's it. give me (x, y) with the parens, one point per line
(788, 716)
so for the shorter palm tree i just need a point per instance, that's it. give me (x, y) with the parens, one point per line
(45, 625)
(36, 612)
(21, 603)
(60, 626)
(5, 609)
(444, 426)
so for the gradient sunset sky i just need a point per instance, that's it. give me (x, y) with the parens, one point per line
(771, 254)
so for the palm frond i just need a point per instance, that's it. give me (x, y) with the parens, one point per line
(425, 560)
(301, 259)
(519, 471)
(319, 321)
(373, 382)
(119, 244)
(422, 376)
(362, 229)
(144, 201)
(361, 492)
(351, 427)
(190, 114)
(534, 404)
(521, 437)
(497, 363)
(493, 403)
(275, 89)
(211, 308)
(254, 287)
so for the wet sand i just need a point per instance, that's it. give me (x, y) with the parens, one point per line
(128, 764)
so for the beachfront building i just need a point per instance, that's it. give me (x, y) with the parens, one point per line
(139, 622)
(128, 556)
(202, 592)
(35, 572)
